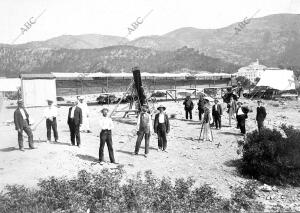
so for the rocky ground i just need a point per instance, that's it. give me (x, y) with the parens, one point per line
(207, 162)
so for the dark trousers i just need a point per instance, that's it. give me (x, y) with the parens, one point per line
(260, 125)
(200, 114)
(28, 131)
(162, 136)
(51, 124)
(105, 137)
(139, 139)
(241, 123)
(74, 132)
(187, 113)
(217, 121)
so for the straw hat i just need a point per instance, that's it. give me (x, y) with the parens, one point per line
(161, 106)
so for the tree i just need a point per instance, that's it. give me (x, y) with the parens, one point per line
(244, 82)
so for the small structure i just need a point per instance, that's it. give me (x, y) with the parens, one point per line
(37, 88)
(252, 71)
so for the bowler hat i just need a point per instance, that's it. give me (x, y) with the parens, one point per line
(161, 106)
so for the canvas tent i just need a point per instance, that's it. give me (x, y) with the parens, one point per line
(278, 79)
(37, 88)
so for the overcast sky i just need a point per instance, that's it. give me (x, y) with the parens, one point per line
(114, 17)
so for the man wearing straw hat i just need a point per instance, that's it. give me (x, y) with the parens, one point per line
(106, 126)
(207, 133)
(74, 122)
(21, 120)
(188, 107)
(161, 128)
(260, 115)
(144, 128)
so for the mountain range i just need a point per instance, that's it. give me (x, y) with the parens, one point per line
(273, 39)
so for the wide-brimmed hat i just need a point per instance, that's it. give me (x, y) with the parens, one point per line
(80, 98)
(104, 109)
(161, 106)
(49, 100)
(239, 102)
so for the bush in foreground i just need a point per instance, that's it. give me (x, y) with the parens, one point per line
(104, 192)
(271, 157)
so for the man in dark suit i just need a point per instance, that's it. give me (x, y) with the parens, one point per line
(74, 122)
(217, 113)
(260, 115)
(161, 128)
(21, 120)
(188, 107)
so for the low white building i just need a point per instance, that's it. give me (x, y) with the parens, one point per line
(252, 71)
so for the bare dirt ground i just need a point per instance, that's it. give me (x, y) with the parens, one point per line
(204, 161)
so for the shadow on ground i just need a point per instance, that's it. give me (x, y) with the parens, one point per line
(87, 158)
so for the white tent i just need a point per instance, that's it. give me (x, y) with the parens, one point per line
(278, 79)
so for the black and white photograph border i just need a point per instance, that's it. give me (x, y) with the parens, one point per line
(149, 106)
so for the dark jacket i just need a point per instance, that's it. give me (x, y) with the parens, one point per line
(206, 116)
(77, 116)
(167, 123)
(218, 111)
(201, 105)
(18, 118)
(188, 105)
(261, 113)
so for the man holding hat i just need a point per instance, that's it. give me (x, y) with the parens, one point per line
(144, 128)
(260, 115)
(50, 114)
(21, 120)
(106, 126)
(161, 127)
(217, 113)
(85, 115)
(74, 122)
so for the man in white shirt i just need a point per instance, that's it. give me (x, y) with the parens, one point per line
(162, 128)
(85, 127)
(50, 114)
(143, 128)
(241, 118)
(106, 125)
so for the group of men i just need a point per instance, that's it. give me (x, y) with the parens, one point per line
(77, 116)
(235, 110)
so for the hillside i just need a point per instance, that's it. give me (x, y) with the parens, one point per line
(108, 59)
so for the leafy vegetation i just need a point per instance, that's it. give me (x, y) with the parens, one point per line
(273, 156)
(108, 191)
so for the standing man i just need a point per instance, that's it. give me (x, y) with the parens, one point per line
(201, 107)
(188, 107)
(85, 115)
(162, 128)
(144, 128)
(241, 118)
(207, 134)
(74, 122)
(260, 115)
(231, 109)
(217, 113)
(50, 114)
(21, 120)
(106, 125)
